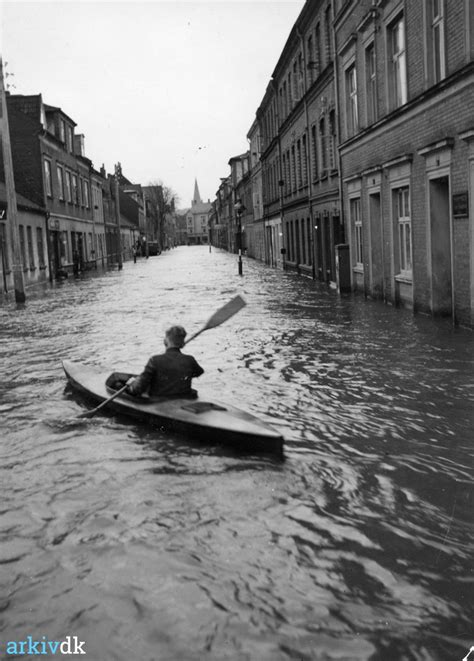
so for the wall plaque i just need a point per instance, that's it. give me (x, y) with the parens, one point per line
(461, 204)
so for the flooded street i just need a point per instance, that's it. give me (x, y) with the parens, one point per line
(150, 547)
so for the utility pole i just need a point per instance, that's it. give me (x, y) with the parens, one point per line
(13, 232)
(118, 170)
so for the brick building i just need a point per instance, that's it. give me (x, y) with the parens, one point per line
(32, 234)
(51, 170)
(405, 75)
(300, 173)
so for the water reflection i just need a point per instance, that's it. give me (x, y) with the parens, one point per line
(150, 546)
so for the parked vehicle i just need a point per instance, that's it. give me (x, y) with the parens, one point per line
(153, 248)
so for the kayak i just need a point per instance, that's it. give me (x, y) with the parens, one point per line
(196, 417)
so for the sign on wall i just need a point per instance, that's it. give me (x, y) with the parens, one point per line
(461, 205)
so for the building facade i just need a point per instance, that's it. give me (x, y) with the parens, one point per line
(405, 75)
(300, 166)
(197, 219)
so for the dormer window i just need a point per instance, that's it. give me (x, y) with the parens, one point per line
(62, 130)
(70, 139)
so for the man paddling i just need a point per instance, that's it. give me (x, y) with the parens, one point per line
(168, 374)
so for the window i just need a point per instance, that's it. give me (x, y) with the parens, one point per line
(21, 231)
(397, 63)
(318, 50)
(70, 139)
(327, 34)
(356, 221)
(314, 153)
(299, 165)
(40, 246)
(370, 81)
(75, 189)
(295, 81)
(351, 100)
(438, 63)
(324, 146)
(288, 173)
(29, 240)
(310, 59)
(62, 130)
(60, 182)
(300, 75)
(332, 141)
(402, 215)
(86, 194)
(305, 161)
(47, 178)
(68, 186)
(293, 169)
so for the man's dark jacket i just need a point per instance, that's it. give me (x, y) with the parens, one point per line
(167, 374)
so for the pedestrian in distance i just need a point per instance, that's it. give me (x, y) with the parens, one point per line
(134, 251)
(168, 374)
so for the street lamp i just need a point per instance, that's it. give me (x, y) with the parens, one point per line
(239, 209)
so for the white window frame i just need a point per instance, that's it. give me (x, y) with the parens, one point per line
(370, 57)
(68, 186)
(47, 177)
(438, 51)
(397, 62)
(356, 222)
(402, 216)
(352, 110)
(60, 174)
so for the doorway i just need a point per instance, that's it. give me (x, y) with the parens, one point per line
(441, 246)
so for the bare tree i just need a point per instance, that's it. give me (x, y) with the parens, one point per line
(162, 202)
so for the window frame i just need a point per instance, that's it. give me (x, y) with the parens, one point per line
(397, 61)
(351, 93)
(355, 203)
(370, 61)
(60, 177)
(404, 229)
(47, 177)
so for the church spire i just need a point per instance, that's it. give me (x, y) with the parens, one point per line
(197, 197)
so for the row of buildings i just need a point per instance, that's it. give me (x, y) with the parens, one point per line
(360, 164)
(71, 217)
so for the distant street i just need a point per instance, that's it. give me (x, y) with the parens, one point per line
(149, 546)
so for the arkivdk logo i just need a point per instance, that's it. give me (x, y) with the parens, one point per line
(44, 647)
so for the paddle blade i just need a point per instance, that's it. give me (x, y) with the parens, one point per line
(226, 312)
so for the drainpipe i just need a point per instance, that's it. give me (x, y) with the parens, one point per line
(338, 137)
(280, 181)
(308, 159)
(48, 245)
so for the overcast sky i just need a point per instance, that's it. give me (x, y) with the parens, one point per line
(169, 89)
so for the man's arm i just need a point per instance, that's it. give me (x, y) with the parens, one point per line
(197, 369)
(142, 383)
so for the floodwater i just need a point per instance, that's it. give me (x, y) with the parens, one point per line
(146, 546)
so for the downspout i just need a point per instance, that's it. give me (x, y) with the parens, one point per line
(48, 244)
(280, 185)
(308, 158)
(338, 137)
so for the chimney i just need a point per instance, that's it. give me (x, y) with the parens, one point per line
(79, 145)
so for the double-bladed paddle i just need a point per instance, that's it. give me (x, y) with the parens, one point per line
(225, 312)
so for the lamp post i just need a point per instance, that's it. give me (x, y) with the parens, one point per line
(239, 209)
(117, 215)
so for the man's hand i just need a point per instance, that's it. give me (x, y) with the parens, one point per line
(130, 385)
